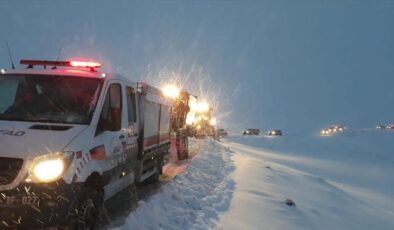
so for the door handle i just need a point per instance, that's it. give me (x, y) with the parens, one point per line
(121, 136)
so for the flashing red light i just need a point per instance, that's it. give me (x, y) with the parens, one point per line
(82, 64)
(85, 64)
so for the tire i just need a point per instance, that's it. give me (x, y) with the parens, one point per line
(186, 148)
(183, 151)
(182, 145)
(89, 210)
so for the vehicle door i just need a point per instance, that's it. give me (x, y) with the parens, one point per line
(132, 129)
(110, 133)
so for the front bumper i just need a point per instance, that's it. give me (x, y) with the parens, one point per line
(38, 205)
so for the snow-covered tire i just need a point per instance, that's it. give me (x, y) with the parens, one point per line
(89, 210)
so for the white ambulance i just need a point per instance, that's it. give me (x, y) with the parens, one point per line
(72, 137)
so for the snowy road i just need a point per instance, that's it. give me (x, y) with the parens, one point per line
(243, 182)
(191, 194)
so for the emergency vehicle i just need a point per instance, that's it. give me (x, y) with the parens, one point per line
(71, 137)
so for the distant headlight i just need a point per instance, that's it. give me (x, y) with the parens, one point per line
(47, 168)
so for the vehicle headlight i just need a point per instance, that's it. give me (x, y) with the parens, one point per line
(47, 168)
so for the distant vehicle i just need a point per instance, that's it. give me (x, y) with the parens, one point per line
(275, 132)
(390, 126)
(223, 133)
(251, 132)
(381, 127)
(332, 130)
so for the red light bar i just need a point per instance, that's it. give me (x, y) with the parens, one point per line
(83, 64)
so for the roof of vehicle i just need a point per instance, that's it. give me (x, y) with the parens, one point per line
(74, 72)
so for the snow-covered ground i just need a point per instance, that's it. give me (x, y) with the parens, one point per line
(194, 198)
(338, 182)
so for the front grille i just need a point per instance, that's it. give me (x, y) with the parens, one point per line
(9, 169)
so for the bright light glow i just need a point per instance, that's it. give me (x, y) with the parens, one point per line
(213, 121)
(200, 107)
(171, 91)
(273, 133)
(190, 118)
(3, 71)
(47, 170)
(85, 64)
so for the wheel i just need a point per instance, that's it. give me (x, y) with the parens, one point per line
(183, 150)
(89, 210)
(182, 146)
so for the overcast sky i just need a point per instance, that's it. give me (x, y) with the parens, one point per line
(293, 65)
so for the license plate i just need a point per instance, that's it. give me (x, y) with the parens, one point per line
(19, 200)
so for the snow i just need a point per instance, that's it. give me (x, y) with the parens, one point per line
(338, 182)
(193, 199)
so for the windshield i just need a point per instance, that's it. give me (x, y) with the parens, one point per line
(43, 98)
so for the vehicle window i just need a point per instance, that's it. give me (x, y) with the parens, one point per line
(43, 98)
(7, 93)
(111, 114)
(131, 105)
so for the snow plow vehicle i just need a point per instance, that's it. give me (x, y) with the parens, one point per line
(71, 138)
(203, 124)
(179, 113)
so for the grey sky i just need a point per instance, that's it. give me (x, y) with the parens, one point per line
(292, 65)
